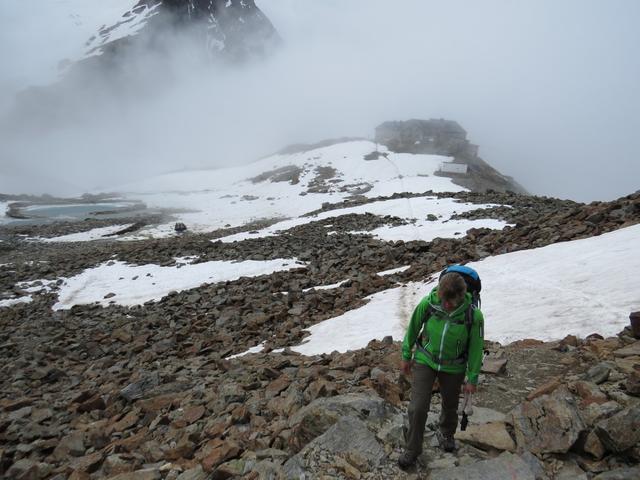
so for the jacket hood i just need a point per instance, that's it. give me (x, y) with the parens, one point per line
(436, 303)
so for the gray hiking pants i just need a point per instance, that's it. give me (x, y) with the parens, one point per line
(423, 377)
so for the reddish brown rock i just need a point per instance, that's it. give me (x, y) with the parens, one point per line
(88, 463)
(545, 388)
(216, 429)
(70, 445)
(158, 403)
(96, 402)
(128, 421)
(277, 386)
(240, 414)
(527, 343)
(193, 414)
(320, 388)
(224, 452)
(10, 405)
(131, 443)
(79, 475)
(633, 383)
(588, 392)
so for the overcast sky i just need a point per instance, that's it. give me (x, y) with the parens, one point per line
(549, 90)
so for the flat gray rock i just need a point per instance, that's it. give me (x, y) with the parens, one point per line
(507, 466)
(631, 473)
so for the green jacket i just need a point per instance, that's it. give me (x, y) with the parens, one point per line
(446, 338)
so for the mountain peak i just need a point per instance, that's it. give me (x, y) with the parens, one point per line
(228, 29)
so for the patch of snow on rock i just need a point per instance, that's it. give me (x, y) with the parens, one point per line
(124, 284)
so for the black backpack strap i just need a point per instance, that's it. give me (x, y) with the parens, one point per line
(468, 320)
(423, 327)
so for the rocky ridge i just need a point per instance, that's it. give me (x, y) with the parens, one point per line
(230, 29)
(150, 391)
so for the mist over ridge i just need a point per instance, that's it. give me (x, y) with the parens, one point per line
(548, 91)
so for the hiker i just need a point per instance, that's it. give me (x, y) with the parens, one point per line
(447, 332)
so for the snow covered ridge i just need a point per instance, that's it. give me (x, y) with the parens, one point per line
(129, 24)
(233, 28)
(290, 186)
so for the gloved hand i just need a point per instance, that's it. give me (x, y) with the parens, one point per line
(469, 388)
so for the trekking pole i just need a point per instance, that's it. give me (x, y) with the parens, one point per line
(467, 410)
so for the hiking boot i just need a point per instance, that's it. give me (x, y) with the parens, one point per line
(406, 460)
(447, 442)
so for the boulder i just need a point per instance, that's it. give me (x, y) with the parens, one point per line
(29, 469)
(570, 471)
(144, 474)
(598, 373)
(535, 464)
(548, 424)
(485, 415)
(278, 385)
(347, 435)
(545, 389)
(626, 473)
(621, 431)
(267, 470)
(506, 466)
(494, 365)
(314, 419)
(628, 351)
(633, 383)
(493, 435)
(220, 454)
(595, 412)
(588, 392)
(140, 388)
(71, 445)
(628, 365)
(593, 446)
(196, 473)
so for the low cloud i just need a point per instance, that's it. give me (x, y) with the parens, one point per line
(548, 90)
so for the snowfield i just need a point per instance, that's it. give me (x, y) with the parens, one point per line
(15, 301)
(229, 198)
(415, 209)
(122, 284)
(578, 287)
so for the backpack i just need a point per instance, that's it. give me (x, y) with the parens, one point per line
(471, 278)
(474, 285)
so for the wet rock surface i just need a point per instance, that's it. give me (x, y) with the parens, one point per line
(150, 391)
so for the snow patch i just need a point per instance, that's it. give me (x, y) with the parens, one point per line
(325, 287)
(15, 301)
(575, 287)
(411, 209)
(120, 283)
(393, 270)
(256, 349)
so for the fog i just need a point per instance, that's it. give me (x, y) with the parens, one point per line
(549, 91)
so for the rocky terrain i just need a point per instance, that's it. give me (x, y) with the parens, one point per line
(153, 391)
(445, 137)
